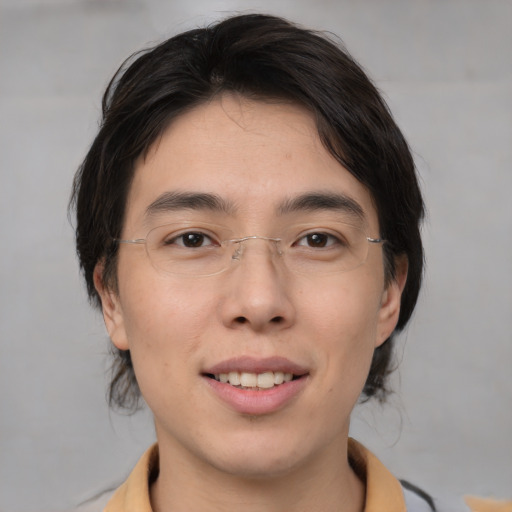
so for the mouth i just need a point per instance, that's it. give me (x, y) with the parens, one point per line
(257, 386)
(254, 381)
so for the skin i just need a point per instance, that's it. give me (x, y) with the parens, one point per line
(254, 155)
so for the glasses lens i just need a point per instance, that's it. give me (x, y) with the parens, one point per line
(337, 248)
(184, 250)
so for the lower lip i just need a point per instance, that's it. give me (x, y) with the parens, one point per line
(257, 402)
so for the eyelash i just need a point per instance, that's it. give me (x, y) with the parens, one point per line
(331, 239)
(174, 239)
(328, 240)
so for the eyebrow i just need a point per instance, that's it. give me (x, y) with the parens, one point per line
(314, 201)
(310, 201)
(173, 201)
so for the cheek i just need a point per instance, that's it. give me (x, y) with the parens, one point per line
(163, 322)
(163, 329)
(343, 324)
(349, 309)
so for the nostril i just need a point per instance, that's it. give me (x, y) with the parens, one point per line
(240, 320)
(277, 320)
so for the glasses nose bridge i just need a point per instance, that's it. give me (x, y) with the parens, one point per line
(240, 243)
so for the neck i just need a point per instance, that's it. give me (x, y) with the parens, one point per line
(325, 483)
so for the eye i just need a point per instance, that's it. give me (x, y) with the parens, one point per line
(190, 239)
(318, 240)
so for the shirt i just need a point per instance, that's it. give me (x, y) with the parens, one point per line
(383, 491)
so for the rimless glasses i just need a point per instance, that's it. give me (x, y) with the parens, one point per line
(208, 249)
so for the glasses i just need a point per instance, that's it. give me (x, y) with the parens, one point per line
(209, 249)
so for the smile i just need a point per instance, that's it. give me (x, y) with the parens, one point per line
(256, 386)
(246, 380)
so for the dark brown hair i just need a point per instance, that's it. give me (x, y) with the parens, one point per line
(259, 57)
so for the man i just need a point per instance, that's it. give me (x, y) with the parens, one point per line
(248, 220)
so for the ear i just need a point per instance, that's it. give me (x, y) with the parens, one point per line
(390, 304)
(111, 307)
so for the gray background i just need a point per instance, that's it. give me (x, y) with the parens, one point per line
(445, 68)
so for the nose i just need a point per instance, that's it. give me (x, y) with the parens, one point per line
(239, 244)
(257, 294)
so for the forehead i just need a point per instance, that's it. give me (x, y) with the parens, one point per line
(256, 156)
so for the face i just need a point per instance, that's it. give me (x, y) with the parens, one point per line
(255, 169)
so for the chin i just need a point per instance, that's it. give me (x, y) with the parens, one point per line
(259, 466)
(260, 457)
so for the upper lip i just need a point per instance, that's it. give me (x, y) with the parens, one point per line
(257, 365)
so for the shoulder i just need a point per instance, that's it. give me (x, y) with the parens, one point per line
(469, 503)
(95, 504)
(416, 499)
(133, 494)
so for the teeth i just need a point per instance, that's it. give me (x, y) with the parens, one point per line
(233, 378)
(248, 380)
(265, 380)
(278, 378)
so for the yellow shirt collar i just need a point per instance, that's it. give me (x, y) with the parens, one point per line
(383, 490)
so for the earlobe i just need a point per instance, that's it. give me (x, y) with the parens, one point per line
(391, 298)
(111, 308)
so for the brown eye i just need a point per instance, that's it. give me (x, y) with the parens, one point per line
(191, 239)
(317, 240)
